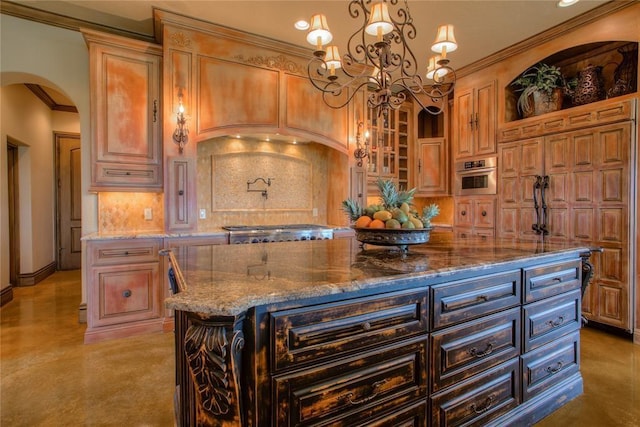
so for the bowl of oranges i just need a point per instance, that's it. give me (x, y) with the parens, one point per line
(392, 222)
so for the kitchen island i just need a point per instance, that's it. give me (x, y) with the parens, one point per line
(453, 332)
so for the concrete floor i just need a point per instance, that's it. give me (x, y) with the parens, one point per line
(50, 378)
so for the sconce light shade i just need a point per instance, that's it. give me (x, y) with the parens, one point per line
(319, 33)
(181, 133)
(379, 21)
(445, 40)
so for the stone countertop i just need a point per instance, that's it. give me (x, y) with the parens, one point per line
(228, 280)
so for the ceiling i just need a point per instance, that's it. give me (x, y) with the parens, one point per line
(482, 27)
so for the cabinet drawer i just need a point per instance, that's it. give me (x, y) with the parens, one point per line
(551, 279)
(311, 334)
(480, 399)
(353, 390)
(125, 294)
(118, 252)
(412, 416)
(550, 364)
(468, 299)
(126, 175)
(550, 318)
(464, 350)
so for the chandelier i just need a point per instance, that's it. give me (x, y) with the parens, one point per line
(379, 58)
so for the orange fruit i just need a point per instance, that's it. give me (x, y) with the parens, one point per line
(376, 223)
(363, 222)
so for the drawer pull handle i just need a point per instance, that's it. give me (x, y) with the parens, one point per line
(481, 409)
(126, 293)
(375, 390)
(366, 326)
(557, 279)
(487, 351)
(555, 369)
(556, 323)
(483, 298)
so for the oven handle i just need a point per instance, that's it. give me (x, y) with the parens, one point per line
(476, 171)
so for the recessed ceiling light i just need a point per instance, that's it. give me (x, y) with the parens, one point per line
(301, 25)
(565, 3)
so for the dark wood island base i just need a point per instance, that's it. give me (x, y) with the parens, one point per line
(454, 332)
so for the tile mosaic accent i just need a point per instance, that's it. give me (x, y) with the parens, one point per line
(298, 187)
(124, 212)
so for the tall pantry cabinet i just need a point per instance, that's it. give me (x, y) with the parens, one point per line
(575, 167)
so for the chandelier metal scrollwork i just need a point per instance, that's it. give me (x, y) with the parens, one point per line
(378, 57)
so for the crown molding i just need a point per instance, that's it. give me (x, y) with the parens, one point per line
(62, 21)
(547, 35)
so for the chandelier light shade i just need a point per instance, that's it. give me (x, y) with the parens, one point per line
(319, 33)
(445, 41)
(332, 59)
(379, 21)
(379, 60)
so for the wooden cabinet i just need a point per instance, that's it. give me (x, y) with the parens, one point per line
(432, 168)
(475, 121)
(125, 101)
(474, 216)
(124, 295)
(586, 172)
(389, 147)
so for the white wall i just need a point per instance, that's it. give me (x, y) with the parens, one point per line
(58, 58)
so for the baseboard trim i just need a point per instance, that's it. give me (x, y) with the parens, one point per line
(636, 336)
(36, 277)
(82, 313)
(6, 295)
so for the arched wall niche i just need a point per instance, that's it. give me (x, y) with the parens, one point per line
(606, 56)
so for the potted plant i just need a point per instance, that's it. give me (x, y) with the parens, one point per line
(542, 90)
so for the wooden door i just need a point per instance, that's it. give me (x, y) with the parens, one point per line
(69, 201)
(14, 213)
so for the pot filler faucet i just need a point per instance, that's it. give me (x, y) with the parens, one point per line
(263, 191)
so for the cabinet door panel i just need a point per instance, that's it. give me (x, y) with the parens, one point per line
(485, 120)
(480, 399)
(126, 125)
(464, 213)
(220, 81)
(353, 390)
(432, 166)
(484, 213)
(583, 224)
(311, 334)
(548, 319)
(125, 294)
(464, 123)
(550, 364)
(464, 350)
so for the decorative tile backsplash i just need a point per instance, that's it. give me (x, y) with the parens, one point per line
(295, 190)
(125, 212)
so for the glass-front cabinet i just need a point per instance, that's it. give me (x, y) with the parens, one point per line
(388, 147)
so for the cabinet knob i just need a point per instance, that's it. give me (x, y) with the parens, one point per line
(484, 213)
(126, 293)
(180, 192)
(463, 213)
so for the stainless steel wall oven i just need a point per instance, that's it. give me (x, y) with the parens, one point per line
(476, 177)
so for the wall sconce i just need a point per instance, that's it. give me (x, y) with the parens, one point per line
(362, 149)
(181, 134)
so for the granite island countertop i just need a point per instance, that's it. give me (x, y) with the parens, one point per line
(230, 279)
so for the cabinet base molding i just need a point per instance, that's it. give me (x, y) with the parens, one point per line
(532, 411)
(103, 333)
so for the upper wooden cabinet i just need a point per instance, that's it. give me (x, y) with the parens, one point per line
(389, 147)
(475, 121)
(125, 101)
(431, 163)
